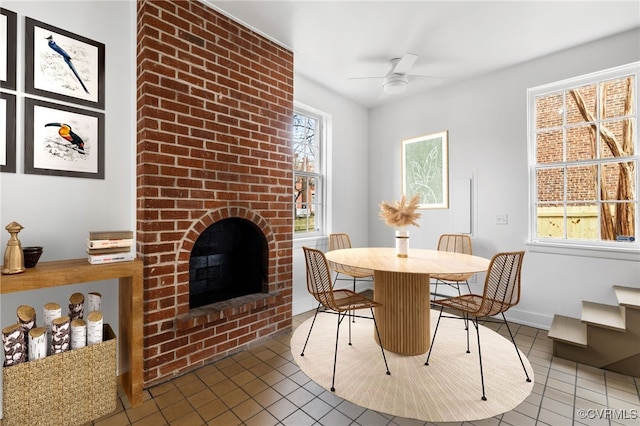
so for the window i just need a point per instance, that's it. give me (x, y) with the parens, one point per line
(309, 129)
(583, 147)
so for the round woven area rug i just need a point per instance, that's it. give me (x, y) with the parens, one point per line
(447, 390)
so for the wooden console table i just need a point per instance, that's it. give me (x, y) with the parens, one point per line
(76, 271)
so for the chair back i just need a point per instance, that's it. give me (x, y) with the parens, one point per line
(339, 241)
(457, 243)
(502, 284)
(319, 277)
(342, 241)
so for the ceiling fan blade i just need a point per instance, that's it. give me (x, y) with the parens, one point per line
(364, 78)
(405, 63)
(434, 81)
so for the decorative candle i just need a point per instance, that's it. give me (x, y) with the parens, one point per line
(37, 343)
(78, 333)
(76, 306)
(94, 328)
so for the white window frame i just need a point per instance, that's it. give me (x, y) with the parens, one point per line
(596, 248)
(324, 123)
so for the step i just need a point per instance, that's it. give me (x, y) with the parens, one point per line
(568, 330)
(628, 296)
(605, 316)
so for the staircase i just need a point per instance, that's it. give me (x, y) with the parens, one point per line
(606, 336)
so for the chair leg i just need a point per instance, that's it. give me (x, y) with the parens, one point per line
(310, 328)
(335, 354)
(353, 312)
(477, 326)
(435, 332)
(516, 347)
(466, 327)
(466, 318)
(375, 324)
(350, 313)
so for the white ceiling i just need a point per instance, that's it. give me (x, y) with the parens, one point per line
(333, 41)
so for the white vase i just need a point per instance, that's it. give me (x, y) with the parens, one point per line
(402, 243)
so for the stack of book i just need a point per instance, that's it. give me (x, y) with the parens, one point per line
(109, 246)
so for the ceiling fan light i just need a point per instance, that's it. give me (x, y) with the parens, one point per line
(394, 86)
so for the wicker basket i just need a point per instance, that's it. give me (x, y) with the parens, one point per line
(71, 388)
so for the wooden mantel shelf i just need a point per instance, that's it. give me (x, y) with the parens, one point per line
(130, 292)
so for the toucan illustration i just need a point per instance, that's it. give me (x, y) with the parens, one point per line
(67, 58)
(66, 133)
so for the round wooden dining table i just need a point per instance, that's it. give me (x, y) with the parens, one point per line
(402, 286)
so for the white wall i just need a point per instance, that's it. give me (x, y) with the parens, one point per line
(58, 212)
(487, 122)
(349, 178)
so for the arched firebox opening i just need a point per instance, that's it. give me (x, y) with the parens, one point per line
(228, 260)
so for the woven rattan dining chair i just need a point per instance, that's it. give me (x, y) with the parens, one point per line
(457, 243)
(342, 241)
(339, 302)
(501, 292)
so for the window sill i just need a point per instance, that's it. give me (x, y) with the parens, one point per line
(616, 253)
(309, 240)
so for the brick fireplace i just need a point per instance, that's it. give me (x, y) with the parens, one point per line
(215, 102)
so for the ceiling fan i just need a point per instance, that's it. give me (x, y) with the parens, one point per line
(396, 80)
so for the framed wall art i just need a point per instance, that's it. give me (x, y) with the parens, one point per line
(8, 137)
(63, 66)
(425, 170)
(8, 31)
(63, 140)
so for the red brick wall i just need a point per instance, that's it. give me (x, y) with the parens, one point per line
(215, 103)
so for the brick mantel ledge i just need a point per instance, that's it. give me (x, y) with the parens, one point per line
(250, 303)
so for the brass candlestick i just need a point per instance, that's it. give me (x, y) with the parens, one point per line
(13, 255)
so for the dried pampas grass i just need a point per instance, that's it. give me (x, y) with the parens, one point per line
(400, 214)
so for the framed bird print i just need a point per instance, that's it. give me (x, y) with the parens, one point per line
(62, 140)
(63, 66)
(8, 137)
(8, 31)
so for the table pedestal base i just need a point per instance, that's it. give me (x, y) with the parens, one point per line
(403, 320)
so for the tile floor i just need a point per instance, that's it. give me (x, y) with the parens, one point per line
(262, 386)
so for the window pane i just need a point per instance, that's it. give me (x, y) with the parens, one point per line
(302, 193)
(616, 99)
(550, 221)
(618, 135)
(581, 143)
(306, 204)
(549, 111)
(617, 179)
(302, 223)
(581, 105)
(305, 143)
(550, 183)
(621, 224)
(581, 183)
(582, 221)
(549, 147)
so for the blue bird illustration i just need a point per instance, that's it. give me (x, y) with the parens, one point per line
(67, 134)
(67, 59)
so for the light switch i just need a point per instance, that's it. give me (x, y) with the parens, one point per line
(502, 219)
